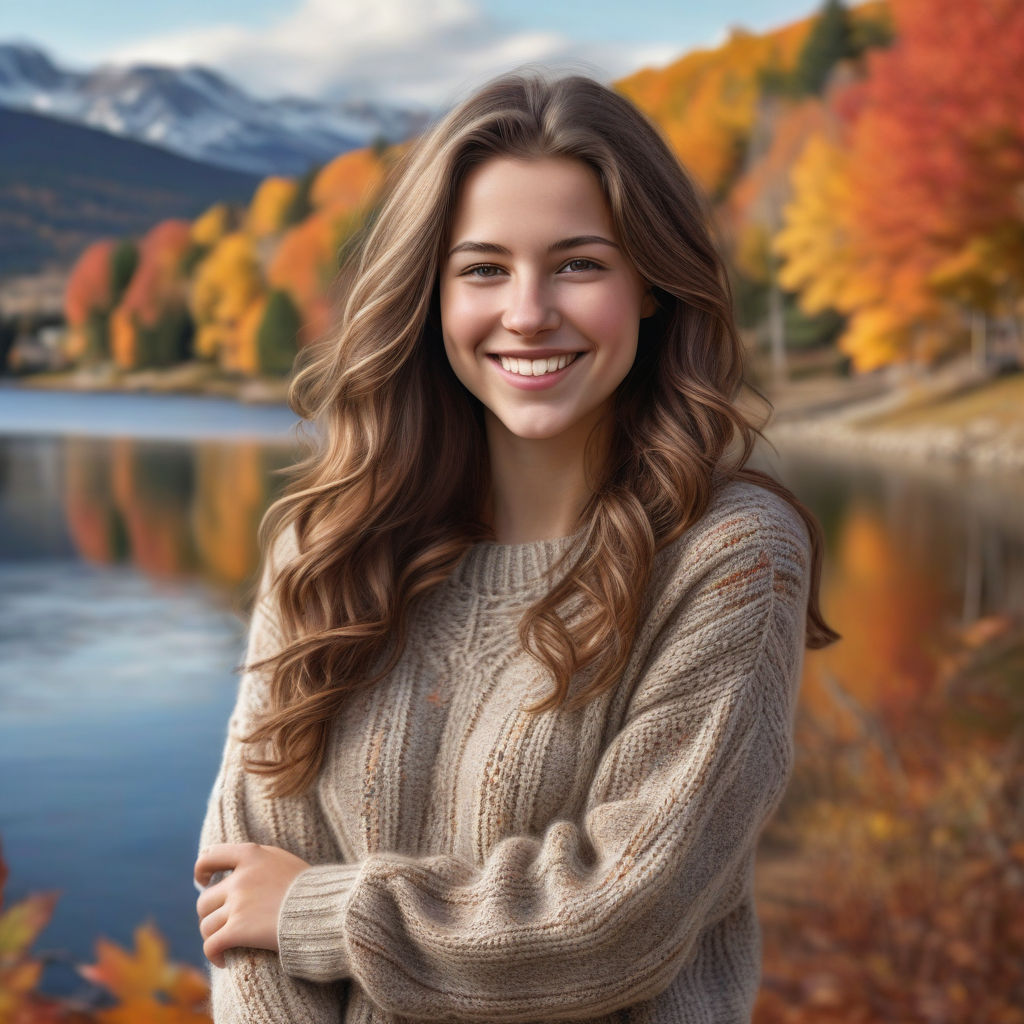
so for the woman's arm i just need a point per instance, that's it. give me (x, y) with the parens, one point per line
(252, 988)
(603, 912)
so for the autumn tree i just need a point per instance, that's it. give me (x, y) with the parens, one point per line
(227, 283)
(304, 265)
(88, 300)
(754, 212)
(920, 202)
(151, 324)
(95, 286)
(349, 181)
(940, 127)
(269, 208)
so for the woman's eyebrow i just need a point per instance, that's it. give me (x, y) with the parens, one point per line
(499, 250)
(577, 240)
(488, 247)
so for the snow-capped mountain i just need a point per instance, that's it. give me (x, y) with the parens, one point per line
(198, 113)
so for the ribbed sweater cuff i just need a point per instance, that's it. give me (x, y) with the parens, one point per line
(311, 923)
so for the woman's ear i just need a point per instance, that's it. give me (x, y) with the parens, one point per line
(648, 304)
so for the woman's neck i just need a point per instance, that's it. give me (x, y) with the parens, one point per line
(538, 487)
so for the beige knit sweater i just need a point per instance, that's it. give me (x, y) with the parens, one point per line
(472, 862)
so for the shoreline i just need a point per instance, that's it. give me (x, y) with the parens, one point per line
(193, 379)
(143, 416)
(961, 420)
(955, 419)
(982, 446)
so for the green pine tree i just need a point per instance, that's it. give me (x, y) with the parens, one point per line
(167, 342)
(277, 337)
(122, 267)
(301, 204)
(829, 42)
(97, 336)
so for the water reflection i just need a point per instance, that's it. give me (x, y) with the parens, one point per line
(171, 510)
(119, 560)
(907, 559)
(910, 562)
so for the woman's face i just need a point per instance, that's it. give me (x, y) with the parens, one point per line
(540, 307)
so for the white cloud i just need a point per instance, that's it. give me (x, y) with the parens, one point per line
(403, 50)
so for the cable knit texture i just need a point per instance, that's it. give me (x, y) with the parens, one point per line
(474, 862)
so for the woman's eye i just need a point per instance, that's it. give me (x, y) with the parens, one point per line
(482, 270)
(579, 264)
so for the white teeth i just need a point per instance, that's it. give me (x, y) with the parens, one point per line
(536, 367)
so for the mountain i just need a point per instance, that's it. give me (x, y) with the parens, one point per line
(198, 113)
(63, 186)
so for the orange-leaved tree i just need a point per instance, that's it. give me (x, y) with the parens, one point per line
(151, 325)
(95, 285)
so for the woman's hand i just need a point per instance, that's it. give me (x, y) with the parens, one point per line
(242, 909)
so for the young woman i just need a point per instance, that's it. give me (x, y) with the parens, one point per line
(523, 666)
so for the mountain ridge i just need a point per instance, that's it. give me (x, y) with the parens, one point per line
(199, 113)
(51, 209)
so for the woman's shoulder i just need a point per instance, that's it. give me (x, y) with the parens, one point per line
(745, 514)
(746, 532)
(282, 548)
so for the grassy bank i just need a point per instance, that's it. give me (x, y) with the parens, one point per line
(193, 378)
(961, 418)
(999, 402)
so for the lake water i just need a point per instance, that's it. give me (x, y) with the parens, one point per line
(127, 541)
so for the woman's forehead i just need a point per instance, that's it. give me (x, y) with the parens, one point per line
(515, 198)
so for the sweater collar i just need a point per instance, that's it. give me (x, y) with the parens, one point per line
(498, 570)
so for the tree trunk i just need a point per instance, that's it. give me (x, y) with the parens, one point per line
(776, 330)
(979, 338)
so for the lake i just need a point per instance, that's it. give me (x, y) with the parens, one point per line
(127, 545)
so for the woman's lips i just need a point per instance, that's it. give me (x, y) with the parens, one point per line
(535, 382)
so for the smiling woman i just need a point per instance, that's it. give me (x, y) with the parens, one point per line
(522, 671)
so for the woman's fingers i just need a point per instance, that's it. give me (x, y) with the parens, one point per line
(258, 878)
(212, 922)
(210, 899)
(220, 857)
(216, 931)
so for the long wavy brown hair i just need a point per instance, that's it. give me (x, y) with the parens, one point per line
(391, 496)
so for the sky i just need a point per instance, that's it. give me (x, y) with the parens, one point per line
(426, 52)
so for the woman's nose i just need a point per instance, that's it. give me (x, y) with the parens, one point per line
(530, 309)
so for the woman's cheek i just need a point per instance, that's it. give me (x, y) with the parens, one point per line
(466, 324)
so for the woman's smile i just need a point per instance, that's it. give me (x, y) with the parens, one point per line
(533, 372)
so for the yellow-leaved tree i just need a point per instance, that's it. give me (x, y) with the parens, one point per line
(227, 284)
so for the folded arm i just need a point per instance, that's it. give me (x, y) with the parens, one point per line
(252, 988)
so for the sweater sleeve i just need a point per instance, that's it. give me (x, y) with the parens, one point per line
(252, 988)
(602, 912)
